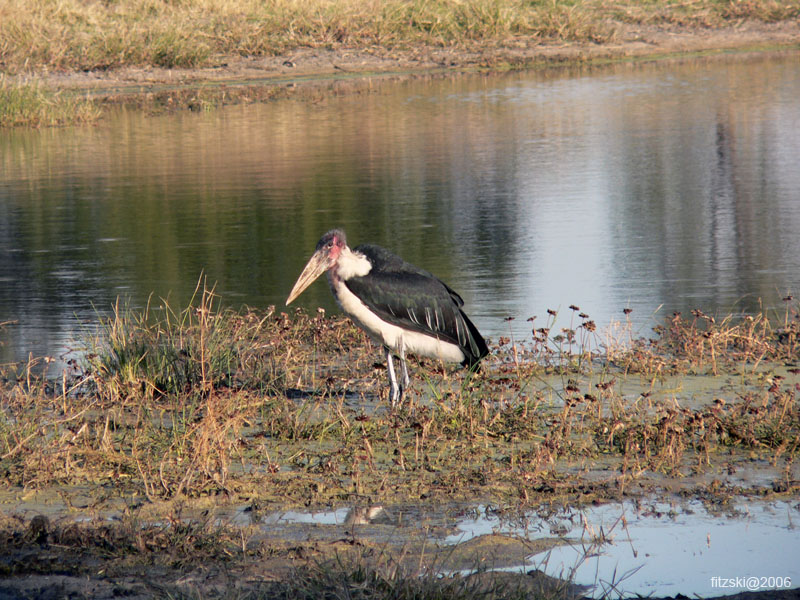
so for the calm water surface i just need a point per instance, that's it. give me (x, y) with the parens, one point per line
(662, 549)
(672, 185)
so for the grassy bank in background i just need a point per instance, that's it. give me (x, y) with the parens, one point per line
(38, 39)
(81, 35)
(90, 35)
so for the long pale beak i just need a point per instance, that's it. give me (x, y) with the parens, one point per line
(316, 266)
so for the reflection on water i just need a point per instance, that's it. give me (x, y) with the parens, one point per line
(640, 548)
(661, 549)
(633, 185)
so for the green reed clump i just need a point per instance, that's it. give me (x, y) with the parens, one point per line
(28, 104)
(199, 348)
(179, 387)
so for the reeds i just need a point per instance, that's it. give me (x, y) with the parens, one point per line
(171, 412)
(28, 104)
(197, 350)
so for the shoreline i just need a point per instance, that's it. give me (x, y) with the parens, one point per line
(301, 67)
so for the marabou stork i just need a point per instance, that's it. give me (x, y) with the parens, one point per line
(402, 307)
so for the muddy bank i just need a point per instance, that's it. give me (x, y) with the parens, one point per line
(447, 551)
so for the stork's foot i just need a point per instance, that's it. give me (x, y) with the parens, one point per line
(396, 394)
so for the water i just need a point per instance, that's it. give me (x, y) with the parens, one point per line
(660, 549)
(646, 548)
(671, 185)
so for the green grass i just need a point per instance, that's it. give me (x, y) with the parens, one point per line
(28, 104)
(196, 350)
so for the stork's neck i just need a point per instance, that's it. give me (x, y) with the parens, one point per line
(349, 264)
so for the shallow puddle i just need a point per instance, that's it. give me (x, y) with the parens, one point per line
(645, 547)
(663, 549)
(631, 548)
(369, 522)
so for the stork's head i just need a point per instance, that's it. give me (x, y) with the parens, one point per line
(329, 248)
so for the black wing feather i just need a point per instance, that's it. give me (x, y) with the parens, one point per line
(412, 298)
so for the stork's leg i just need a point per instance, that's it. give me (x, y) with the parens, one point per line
(401, 354)
(406, 381)
(395, 391)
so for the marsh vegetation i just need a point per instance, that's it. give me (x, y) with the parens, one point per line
(203, 400)
(168, 412)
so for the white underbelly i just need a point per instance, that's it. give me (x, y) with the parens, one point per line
(393, 337)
